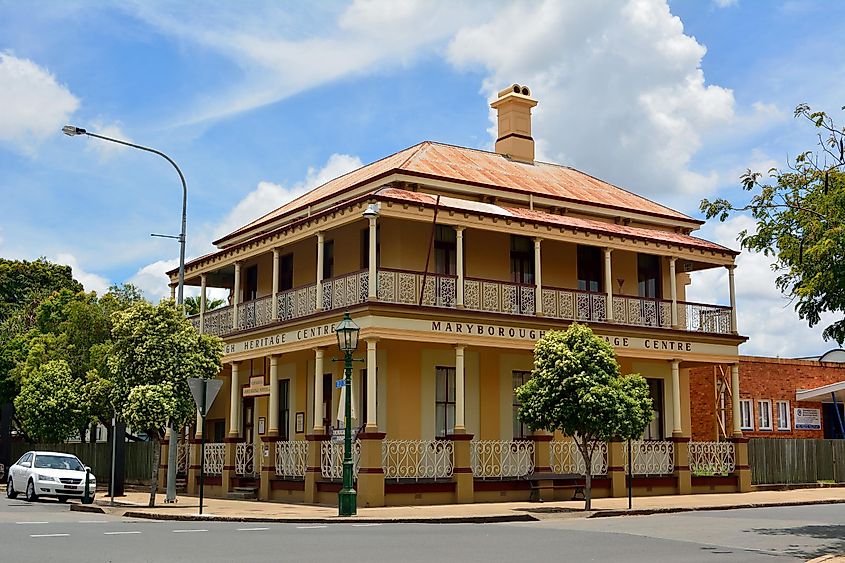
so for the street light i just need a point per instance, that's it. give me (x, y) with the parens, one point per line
(347, 341)
(73, 131)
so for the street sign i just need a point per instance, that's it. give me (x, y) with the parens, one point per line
(204, 389)
(340, 383)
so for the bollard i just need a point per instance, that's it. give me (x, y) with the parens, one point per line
(86, 495)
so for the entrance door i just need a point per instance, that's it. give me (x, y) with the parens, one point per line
(328, 388)
(249, 432)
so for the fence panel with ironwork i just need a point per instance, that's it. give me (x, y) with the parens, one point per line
(566, 458)
(417, 459)
(498, 459)
(215, 457)
(651, 457)
(711, 458)
(331, 459)
(245, 459)
(290, 458)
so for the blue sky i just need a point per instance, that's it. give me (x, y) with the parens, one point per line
(260, 101)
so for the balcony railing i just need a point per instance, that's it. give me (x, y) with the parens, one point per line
(437, 290)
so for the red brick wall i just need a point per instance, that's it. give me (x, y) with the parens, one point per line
(761, 378)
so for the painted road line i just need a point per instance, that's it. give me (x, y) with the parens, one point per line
(366, 525)
(309, 527)
(119, 533)
(187, 531)
(252, 529)
(93, 522)
(31, 522)
(48, 535)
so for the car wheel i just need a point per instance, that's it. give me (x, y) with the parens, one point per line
(10, 490)
(30, 492)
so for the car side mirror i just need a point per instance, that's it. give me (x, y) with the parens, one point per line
(26, 464)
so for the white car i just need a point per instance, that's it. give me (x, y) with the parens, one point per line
(49, 474)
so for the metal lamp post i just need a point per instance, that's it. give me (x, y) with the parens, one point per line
(73, 131)
(347, 341)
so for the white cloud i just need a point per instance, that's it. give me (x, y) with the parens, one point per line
(620, 87)
(107, 149)
(153, 281)
(269, 196)
(34, 105)
(764, 314)
(725, 3)
(91, 282)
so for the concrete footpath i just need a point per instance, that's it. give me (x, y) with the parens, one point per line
(134, 505)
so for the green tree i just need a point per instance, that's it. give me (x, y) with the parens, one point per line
(154, 351)
(800, 215)
(50, 403)
(23, 285)
(576, 387)
(192, 305)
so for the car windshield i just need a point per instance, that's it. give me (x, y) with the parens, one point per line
(58, 462)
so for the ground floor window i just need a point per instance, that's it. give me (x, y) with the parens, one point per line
(764, 414)
(654, 430)
(520, 429)
(284, 409)
(444, 401)
(746, 415)
(784, 422)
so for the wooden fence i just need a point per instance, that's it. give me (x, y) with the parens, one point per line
(786, 460)
(139, 458)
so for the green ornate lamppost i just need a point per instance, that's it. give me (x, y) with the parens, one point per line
(347, 340)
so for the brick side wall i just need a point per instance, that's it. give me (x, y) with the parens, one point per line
(761, 378)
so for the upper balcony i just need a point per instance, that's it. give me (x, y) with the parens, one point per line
(455, 267)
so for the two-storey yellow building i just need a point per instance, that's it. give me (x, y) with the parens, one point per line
(454, 261)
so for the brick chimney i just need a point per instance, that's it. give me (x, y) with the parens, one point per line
(514, 108)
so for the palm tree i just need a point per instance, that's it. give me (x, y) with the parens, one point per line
(192, 305)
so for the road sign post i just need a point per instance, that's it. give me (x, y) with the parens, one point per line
(204, 392)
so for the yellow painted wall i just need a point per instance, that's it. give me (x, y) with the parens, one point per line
(508, 363)
(559, 264)
(489, 395)
(487, 255)
(624, 267)
(347, 247)
(404, 244)
(659, 370)
(403, 388)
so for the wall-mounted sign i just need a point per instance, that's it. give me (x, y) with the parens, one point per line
(256, 391)
(808, 419)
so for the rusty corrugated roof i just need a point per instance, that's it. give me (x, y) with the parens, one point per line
(480, 168)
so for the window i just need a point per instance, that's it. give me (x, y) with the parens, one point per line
(783, 415)
(328, 387)
(444, 401)
(522, 260)
(590, 268)
(746, 415)
(365, 247)
(654, 430)
(286, 272)
(251, 284)
(215, 431)
(648, 276)
(764, 412)
(328, 259)
(520, 429)
(284, 409)
(445, 250)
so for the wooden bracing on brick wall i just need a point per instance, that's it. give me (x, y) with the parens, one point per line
(722, 402)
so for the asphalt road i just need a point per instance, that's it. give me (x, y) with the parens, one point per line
(47, 531)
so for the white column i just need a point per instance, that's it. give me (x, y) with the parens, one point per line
(608, 283)
(538, 279)
(173, 292)
(273, 429)
(198, 432)
(737, 423)
(459, 266)
(673, 290)
(234, 403)
(274, 306)
(372, 285)
(318, 391)
(372, 367)
(731, 269)
(203, 282)
(460, 423)
(236, 296)
(320, 243)
(676, 398)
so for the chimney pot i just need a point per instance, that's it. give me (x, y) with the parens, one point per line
(513, 106)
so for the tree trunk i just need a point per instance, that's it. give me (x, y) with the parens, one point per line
(587, 454)
(156, 462)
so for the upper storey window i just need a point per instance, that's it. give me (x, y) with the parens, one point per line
(286, 272)
(251, 285)
(328, 259)
(590, 268)
(445, 250)
(648, 276)
(522, 260)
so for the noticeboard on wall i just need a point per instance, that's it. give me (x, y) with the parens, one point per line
(808, 419)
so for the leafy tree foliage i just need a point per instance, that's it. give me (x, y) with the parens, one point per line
(192, 305)
(576, 387)
(800, 214)
(154, 351)
(50, 405)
